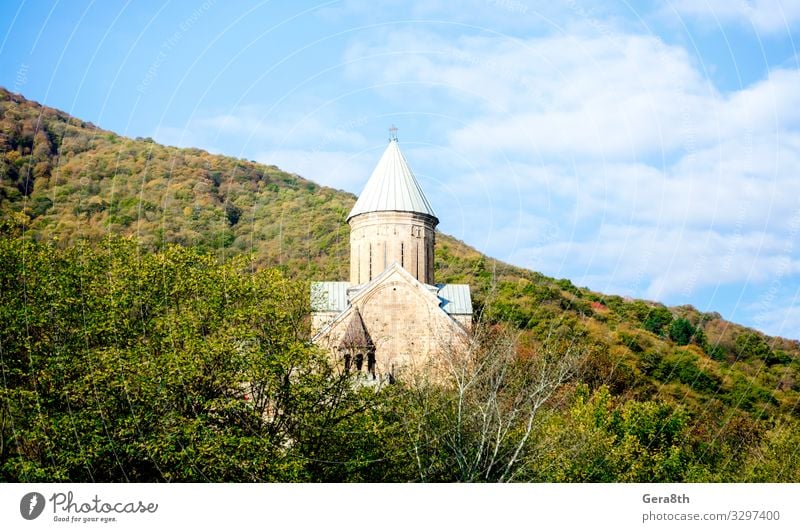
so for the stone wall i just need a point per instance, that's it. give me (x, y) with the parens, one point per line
(465, 320)
(379, 239)
(409, 330)
(320, 320)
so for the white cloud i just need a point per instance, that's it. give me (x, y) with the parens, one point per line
(722, 187)
(777, 309)
(337, 169)
(603, 156)
(607, 159)
(255, 124)
(620, 96)
(770, 16)
(659, 263)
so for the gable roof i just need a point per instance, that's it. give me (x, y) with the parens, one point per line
(431, 293)
(426, 291)
(392, 187)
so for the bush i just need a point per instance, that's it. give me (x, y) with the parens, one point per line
(657, 320)
(751, 345)
(682, 367)
(681, 331)
(168, 366)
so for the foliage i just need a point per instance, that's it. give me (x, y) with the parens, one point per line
(681, 331)
(182, 353)
(479, 421)
(127, 366)
(601, 440)
(657, 319)
(120, 365)
(776, 458)
(682, 366)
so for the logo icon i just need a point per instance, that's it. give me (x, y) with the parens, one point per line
(31, 505)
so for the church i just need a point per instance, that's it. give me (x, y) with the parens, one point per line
(391, 318)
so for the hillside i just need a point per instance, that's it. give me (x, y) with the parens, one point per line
(66, 181)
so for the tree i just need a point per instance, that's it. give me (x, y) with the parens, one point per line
(657, 319)
(752, 345)
(602, 439)
(776, 458)
(141, 367)
(681, 331)
(478, 422)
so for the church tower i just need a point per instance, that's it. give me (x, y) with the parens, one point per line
(392, 221)
(390, 319)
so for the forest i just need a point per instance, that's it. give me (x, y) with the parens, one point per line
(154, 327)
(120, 365)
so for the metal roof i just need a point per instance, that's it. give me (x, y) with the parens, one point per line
(392, 187)
(329, 296)
(455, 298)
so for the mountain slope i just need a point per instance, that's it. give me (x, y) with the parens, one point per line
(66, 179)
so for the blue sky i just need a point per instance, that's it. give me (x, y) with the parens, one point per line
(649, 149)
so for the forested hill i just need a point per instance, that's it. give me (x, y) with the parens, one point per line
(73, 180)
(66, 180)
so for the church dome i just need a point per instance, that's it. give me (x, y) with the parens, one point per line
(392, 187)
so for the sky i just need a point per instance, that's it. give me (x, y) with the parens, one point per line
(646, 149)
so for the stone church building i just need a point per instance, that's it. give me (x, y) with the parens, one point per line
(391, 317)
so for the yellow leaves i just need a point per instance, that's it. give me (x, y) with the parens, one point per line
(12, 156)
(153, 183)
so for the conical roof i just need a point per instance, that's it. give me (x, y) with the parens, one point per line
(392, 187)
(356, 335)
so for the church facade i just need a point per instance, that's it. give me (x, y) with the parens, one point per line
(391, 317)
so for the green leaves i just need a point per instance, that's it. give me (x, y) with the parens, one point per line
(127, 366)
(681, 331)
(657, 319)
(124, 365)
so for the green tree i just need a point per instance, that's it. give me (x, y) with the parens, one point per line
(752, 345)
(658, 318)
(776, 458)
(600, 439)
(127, 366)
(681, 331)
(481, 421)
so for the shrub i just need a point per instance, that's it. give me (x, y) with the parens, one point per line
(681, 331)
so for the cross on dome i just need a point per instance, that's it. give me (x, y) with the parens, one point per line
(392, 186)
